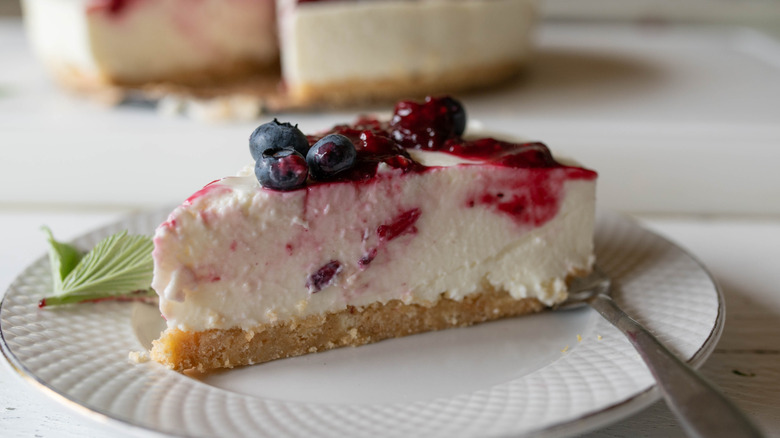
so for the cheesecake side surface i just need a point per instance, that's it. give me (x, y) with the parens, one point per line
(94, 44)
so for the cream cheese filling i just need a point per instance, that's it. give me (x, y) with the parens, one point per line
(325, 42)
(239, 256)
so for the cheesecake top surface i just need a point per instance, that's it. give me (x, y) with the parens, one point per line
(437, 124)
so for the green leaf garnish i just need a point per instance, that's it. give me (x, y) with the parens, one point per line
(120, 266)
(63, 258)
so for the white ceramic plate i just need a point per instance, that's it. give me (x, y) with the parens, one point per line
(551, 374)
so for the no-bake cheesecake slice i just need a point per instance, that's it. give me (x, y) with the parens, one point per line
(384, 228)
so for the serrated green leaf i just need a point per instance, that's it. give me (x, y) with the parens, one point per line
(119, 266)
(62, 257)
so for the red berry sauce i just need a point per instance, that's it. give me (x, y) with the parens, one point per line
(432, 126)
(428, 125)
(214, 185)
(112, 8)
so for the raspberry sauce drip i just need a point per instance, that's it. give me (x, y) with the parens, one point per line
(214, 185)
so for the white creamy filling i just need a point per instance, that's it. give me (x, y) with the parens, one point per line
(243, 258)
(326, 42)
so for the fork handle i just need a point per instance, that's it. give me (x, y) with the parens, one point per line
(702, 409)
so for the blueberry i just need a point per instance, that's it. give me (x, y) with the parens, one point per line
(277, 135)
(458, 114)
(281, 169)
(331, 155)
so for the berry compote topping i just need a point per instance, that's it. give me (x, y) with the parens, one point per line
(428, 125)
(373, 145)
(113, 8)
(436, 124)
(116, 6)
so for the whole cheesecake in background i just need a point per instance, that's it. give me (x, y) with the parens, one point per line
(292, 53)
(372, 230)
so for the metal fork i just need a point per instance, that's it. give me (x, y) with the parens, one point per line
(702, 410)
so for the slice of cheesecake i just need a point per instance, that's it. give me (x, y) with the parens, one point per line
(424, 230)
(286, 53)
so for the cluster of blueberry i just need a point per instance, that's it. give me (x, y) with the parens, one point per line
(284, 160)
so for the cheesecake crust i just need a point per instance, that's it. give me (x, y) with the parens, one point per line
(264, 83)
(403, 87)
(228, 348)
(245, 77)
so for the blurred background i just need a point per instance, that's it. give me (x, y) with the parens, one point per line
(673, 102)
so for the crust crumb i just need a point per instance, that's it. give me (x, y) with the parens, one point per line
(139, 356)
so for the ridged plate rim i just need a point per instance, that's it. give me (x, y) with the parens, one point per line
(581, 423)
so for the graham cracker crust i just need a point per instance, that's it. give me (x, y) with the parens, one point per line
(218, 348)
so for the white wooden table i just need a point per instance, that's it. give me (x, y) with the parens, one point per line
(682, 123)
